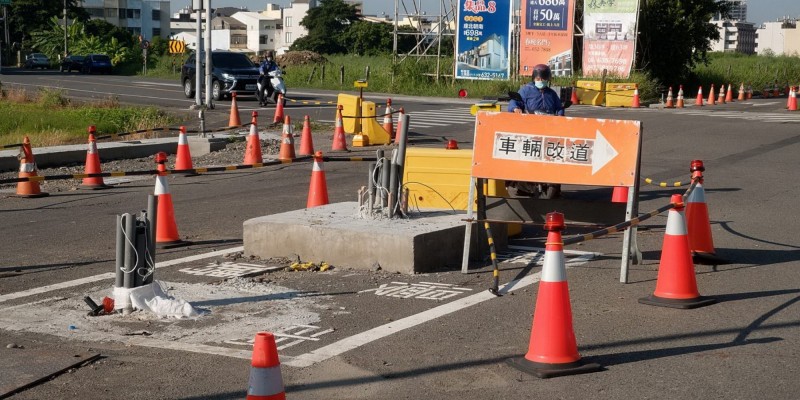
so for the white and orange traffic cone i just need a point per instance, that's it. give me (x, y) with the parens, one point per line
(27, 169)
(278, 111)
(792, 99)
(741, 96)
(166, 228)
(396, 134)
(669, 99)
(306, 142)
(553, 350)
(676, 286)
(721, 99)
(680, 97)
(93, 165)
(729, 94)
(711, 99)
(387, 118)
(698, 224)
(339, 139)
(636, 102)
(234, 119)
(574, 99)
(252, 152)
(699, 101)
(183, 158)
(318, 188)
(287, 140)
(266, 381)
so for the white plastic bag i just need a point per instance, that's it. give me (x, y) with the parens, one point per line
(151, 297)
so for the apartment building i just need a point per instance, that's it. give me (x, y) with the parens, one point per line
(777, 37)
(149, 18)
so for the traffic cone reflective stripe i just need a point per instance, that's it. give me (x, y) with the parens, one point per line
(92, 165)
(699, 100)
(711, 100)
(676, 286)
(306, 142)
(266, 381)
(252, 153)
(287, 141)
(636, 103)
(183, 159)
(234, 119)
(552, 349)
(387, 119)
(318, 188)
(278, 110)
(339, 140)
(27, 169)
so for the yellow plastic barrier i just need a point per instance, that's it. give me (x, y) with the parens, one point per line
(350, 105)
(372, 133)
(619, 94)
(439, 179)
(485, 105)
(590, 92)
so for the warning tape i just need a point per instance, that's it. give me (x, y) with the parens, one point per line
(665, 184)
(374, 116)
(9, 146)
(193, 171)
(309, 102)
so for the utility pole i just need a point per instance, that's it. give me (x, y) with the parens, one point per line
(197, 5)
(207, 42)
(66, 52)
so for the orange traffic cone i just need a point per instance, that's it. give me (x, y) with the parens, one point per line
(93, 165)
(749, 92)
(620, 194)
(339, 140)
(676, 286)
(278, 110)
(266, 381)
(711, 100)
(699, 101)
(400, 115)
(166, 228)
(387, 118)
(792, 99)
(721, 99)
(183, 159)
(698, 224)
(680, 97)
(306, 142)
(27, 169)
(741, 96)
(287, 140)
(252, 153)
(552, 350)
(318, 189)
(574, 99)
(234, 119)
(729, 94)
(669, 98)
(635, 103)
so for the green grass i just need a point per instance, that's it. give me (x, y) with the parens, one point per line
(758, 71)
(48, 118)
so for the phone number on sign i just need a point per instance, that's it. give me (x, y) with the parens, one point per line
(483, 75)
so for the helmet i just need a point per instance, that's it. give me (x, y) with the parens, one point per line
(268, 54)
(541, 71)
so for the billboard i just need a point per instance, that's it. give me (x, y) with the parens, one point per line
(483, 44)
(546, 28)
(609, 28)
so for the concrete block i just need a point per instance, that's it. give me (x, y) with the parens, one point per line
(201, 146)
(335, 234)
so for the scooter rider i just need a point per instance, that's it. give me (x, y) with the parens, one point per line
(536, 98)
(267, 66)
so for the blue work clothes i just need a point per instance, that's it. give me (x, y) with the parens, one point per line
(542, 100)
(267, 67)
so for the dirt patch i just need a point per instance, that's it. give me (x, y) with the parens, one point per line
(303, 57)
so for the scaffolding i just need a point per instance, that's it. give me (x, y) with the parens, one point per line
(428, 30)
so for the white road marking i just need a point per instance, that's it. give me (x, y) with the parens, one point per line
(111, 275)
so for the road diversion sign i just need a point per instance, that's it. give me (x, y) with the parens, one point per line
(177, 47)
(541, 148)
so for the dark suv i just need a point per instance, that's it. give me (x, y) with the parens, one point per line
(231, 72)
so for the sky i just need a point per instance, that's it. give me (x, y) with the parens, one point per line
(758, 11)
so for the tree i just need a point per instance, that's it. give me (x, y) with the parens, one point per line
(368, 38)
(676, 35)
(27, 16)
(106, 31)
(326, 24)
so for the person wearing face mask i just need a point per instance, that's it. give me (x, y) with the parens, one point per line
(537, 97)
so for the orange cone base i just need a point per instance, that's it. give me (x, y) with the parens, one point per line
(32, 196)
(173, 244)
(545, 371)
(94, 186)
(685, 304)
(708, 259)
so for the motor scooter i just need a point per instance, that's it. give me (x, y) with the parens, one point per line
(276, 87)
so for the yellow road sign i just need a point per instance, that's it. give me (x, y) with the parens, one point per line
(177, 47)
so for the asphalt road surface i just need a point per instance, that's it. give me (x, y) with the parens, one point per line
(353, 334)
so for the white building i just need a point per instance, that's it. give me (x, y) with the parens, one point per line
(738, 36)
(149, 18)
(772, 37)
(292, 16)
(262, 31)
